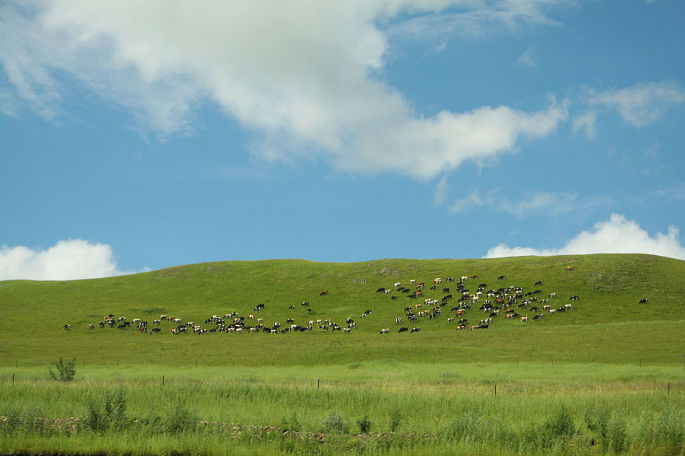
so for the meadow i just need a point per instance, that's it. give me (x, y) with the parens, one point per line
(606, 377)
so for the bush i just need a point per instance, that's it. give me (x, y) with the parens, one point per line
(617, 434)
(597, 419)
(292, 425)
(364, 425)
(559, 425)
(66, 370)
(334, 423)
(670, 428)
(107, 413)
(180, 420)
(395, 420)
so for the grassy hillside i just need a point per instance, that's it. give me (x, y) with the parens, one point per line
(607, 323)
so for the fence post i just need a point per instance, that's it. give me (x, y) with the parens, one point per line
(13, 378)
(162, 380)
(495, 389)
(669, 389)
(318, 383)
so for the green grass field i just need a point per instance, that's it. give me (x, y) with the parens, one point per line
(606, 377)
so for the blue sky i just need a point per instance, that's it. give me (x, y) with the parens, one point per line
(141, 135)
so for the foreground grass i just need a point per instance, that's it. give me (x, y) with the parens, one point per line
(493, 408)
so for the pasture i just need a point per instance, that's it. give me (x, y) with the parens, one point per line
(606, 376)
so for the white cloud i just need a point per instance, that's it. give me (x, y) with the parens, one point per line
(586, 122)
(527, 58)
(617, 235)
(642, 104)
(440, 191)
(300, 74)
(66, 260)
(533, 203)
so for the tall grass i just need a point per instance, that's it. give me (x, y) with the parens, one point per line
(269, 410)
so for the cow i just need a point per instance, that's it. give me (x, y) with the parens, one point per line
(437, 280)
(403, 329)
(415, 330)
(539, 282)
(643, 301)
(385, 331)
(397, 284)
(323, 293)
(380, 290)
(524, 318)
(91, 326)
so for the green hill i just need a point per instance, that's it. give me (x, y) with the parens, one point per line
(606, 323)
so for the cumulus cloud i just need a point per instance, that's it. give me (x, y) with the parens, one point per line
(67, 260)
(639, 105)
(301, 75)
(617, 235)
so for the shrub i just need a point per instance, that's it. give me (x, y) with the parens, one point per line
(670, 428)
(597, 420)
(66, 370)
(180, 420)
(617, 434)
(334, 423)
(395, 420)
(292, 425)
(364, 424)
(559, 425)
(107, 413)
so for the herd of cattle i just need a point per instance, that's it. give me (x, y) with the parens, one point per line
(510, 301)
(424, 302)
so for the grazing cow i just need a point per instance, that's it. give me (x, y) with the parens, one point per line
(643, 301)
(397, 284)
(569, 268)
(91, 326)
(437, 280)
(394, 298)
(67, 327)
(501, 277)
(568, 307)
(155, 330)
(403, 329)
(574, 298)
(398, 320)
(552, 295)
(385, 331)
(323, 293)
(415, 330)
(539, 282)
(524, 318)
(380, 290)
